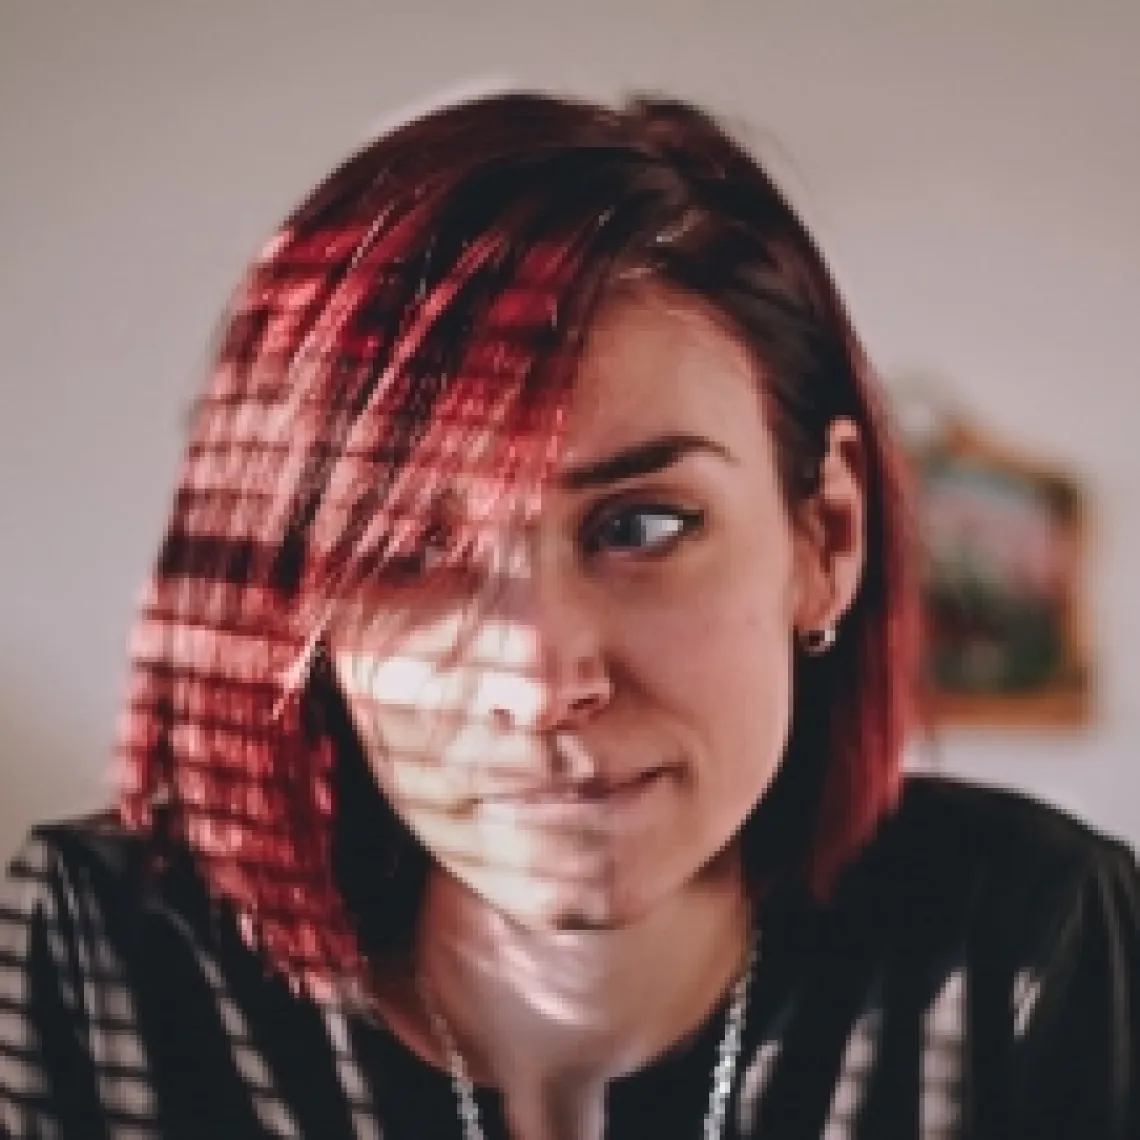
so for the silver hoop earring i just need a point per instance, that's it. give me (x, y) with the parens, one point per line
(817, 642)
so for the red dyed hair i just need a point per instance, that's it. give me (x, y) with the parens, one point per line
(418, 316)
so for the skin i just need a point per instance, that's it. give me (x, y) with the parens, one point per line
(581, 771)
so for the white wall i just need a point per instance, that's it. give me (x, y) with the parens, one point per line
(972, 169)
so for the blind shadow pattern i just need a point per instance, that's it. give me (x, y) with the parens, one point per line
(975, 975)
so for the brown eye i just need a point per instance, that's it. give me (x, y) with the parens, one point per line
(642, 530)
(430, 553)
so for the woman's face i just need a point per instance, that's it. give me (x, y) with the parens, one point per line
(623, 702)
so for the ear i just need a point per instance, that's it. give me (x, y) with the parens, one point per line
(830, 542)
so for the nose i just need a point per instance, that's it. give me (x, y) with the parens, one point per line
(543, 702)
(555, 675)
(570, 697)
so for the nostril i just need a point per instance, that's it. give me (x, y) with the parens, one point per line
(586, 703)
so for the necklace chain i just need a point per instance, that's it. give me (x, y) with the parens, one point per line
(723, 1076)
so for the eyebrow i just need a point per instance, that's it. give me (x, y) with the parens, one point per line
(644, 458)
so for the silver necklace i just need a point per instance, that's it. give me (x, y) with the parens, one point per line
(724, 1071)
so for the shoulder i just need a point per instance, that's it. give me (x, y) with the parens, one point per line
(96, 844)
(1043, 913)
(960, 861)
(1008, 837)
(69, 891)
(986, 824)
(67, 871)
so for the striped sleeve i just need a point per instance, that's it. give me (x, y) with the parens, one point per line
(1077, 1015)
(71, 1060)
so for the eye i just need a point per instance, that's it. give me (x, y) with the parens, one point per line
(430, 554)
(647, 529)
(437, 546)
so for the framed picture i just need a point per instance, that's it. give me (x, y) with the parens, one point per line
(1005, 547)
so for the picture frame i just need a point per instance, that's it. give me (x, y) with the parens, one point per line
(1005, 547)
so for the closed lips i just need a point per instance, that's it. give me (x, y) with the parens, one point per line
(585, 791)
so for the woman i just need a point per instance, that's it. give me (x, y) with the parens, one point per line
(514, 729)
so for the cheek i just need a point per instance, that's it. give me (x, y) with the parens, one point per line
(390, 702)
(727, 638)
(721, 668)
(736, 681)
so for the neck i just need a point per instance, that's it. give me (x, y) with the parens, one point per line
(550, 1016)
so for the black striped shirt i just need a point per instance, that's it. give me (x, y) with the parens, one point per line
(975, 974)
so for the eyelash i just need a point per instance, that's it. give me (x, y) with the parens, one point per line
(424, 560)
(690, 522)
(420, 565)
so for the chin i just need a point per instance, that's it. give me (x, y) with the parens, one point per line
(566, 917)
(608, 911)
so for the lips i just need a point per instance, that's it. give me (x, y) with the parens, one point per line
(595, 789)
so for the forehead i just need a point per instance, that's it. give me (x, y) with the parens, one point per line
(658, 362)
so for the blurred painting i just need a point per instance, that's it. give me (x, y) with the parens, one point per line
(1004, 541)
